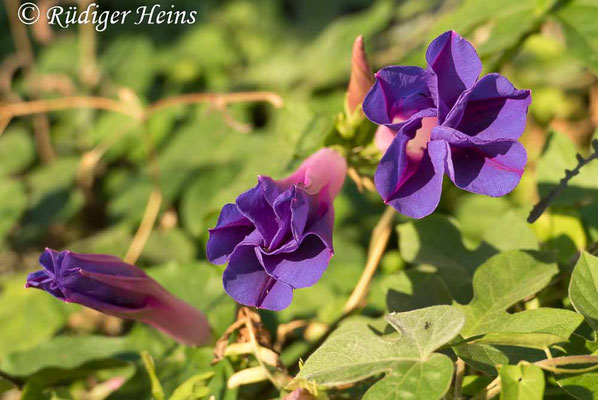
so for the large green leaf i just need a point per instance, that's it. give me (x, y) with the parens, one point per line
(501, 282)
(583, 288)
(357, 350)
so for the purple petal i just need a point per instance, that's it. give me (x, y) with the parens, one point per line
(455, 67)
(231, 229)
(271, 188)
(100, 264)
(246, 281)
(323, 226)
(301, 268)
(398, 93)
(493, 169)
(492, 109)
(419, 195)
(254, 205)
(292, 209)
(44, 281)
(51, 260)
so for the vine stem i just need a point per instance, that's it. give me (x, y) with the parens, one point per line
(490, 391)
(16, 109)
(378, 242)
(459, 373)
(145, 228)
(543, 204)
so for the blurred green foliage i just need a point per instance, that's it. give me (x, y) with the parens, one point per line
(200, 157)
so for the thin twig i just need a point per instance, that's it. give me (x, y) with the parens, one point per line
(490, 391)
(218, 99)
(552, 363)
(64, 103)
(108, 104)
(256, 353)
(88, 69)
(459, 373)
(569, 174)
(379, 240)
(145, 228)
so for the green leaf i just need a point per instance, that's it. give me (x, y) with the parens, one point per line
(583, 288)
(29, 316)
(17, 150)
(168, 245)
(64, 352)
(578, 20)
(436, 240)
(522, 382)
(150, 367)
(511, 232)
(412, 289)
(357, 350)
(53, 198)
(12, 206)
(501, 282)
(193, 388)
(533, 340)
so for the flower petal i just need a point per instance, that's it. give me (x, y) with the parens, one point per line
(246, 281)
(455, 67)
(231, 229)
(419, 195)
(398, 93)
(322, 173)
(492, 109)
(254, 205)
(493, 168)
(99, 263)
(301, 268)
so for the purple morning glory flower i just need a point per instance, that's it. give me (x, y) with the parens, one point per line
(444, 120)
(278, 236)
(108, 284)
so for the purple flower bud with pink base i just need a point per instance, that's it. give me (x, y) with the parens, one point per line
(278, 236)
(108, 284)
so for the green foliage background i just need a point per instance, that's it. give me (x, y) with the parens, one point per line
(494, 291)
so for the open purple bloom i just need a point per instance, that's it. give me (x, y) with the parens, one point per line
(278, 236)
(444, 120)
(108, 284)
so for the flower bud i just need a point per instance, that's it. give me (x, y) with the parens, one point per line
(108, 284)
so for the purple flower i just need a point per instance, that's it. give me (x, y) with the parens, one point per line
(444, 120)
(278, 236)
(107, 284)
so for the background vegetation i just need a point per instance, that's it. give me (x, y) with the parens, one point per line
(143, 179)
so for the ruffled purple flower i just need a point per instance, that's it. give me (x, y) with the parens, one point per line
(278, 236)
(107, 284)
(444, 120)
